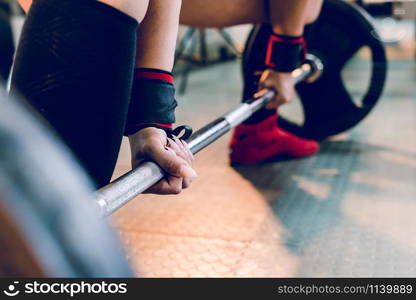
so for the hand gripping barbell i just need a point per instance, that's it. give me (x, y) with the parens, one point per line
(47, 205)
(115, 195)
(341, 30)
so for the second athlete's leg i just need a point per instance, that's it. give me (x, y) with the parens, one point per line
(221, 13)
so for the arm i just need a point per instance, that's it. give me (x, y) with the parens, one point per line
(289, 19)
(151, 111)
(151, 99)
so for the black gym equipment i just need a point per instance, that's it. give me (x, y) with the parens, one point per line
(46, 207)
(341, 30)
(382, 9)
(50, 226)
(46, 198)
(115, 195)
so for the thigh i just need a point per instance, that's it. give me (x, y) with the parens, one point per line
(80, 83)
(221, 13)
(25, 4)
(135, 8)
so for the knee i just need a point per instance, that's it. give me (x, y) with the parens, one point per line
(133, 8)
(25, 4)
(314, 12)
(312, 18)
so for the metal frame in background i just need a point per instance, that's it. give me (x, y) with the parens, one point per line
(197, 37)
(115, 195)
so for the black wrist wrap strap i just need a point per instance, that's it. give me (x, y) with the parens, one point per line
(152, 102)
(285, 53)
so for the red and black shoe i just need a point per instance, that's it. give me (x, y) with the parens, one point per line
(256, 143)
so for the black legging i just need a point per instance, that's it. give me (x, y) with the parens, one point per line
(74, 65)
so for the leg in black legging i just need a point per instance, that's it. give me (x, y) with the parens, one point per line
(74, 65)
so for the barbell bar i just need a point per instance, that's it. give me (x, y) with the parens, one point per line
(115, 195)
(331, 105)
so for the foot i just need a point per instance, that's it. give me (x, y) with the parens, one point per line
(252, 144)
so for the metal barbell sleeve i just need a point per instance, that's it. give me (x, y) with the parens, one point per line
(113, 196)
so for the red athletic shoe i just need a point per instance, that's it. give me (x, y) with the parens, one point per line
(252, 144)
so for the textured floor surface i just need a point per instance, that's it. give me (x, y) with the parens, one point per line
(349, 211)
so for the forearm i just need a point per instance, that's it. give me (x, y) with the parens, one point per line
(157, 35)
(290, 17)
(153, 92)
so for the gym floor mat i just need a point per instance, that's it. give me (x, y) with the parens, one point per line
(348, 211)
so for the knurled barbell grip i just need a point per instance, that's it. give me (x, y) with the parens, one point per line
(113, 196)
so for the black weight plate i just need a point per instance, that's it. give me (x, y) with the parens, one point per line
(341, 30)
(46, 198)
(6, 46)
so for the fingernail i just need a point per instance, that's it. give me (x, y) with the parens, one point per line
(185, 144)
(187, 171)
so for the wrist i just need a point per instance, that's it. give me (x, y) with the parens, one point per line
(288, 29)
(285, 53)
(136, 127)
(141, 138)
(152, 101)
(146, 132)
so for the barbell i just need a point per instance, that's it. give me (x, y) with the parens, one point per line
(53, 214)
(135, 182)
(329, 107)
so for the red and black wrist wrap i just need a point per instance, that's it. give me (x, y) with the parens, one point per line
(285, 53)
(152, 102)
